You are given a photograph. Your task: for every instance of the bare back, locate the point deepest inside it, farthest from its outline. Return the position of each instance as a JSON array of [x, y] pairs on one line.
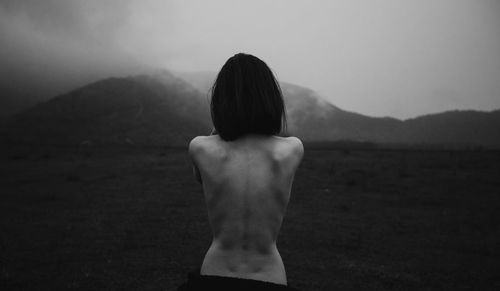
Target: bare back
[[247, 186]]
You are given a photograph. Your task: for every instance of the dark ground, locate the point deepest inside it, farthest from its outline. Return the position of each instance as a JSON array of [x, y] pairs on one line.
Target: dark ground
[[134, 219]]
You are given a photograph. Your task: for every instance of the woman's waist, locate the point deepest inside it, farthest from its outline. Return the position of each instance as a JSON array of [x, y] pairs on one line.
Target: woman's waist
[[260, 249], [243, 262]]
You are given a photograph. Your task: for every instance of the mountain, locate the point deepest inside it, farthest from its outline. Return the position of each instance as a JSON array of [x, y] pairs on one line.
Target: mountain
[[164, 109], [464, 127], [158, 109], [312, 118]]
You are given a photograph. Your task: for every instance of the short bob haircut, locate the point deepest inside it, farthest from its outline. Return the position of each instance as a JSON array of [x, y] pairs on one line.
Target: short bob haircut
[[247, 99]]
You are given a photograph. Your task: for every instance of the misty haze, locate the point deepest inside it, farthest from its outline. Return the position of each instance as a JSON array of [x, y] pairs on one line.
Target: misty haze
[[397, 104]]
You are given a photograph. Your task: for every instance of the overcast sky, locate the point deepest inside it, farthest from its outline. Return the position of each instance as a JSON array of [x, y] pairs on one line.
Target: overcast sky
[[381, 58]]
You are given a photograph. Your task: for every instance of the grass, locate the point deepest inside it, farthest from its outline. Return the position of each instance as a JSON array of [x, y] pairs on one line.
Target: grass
[[129, 219]]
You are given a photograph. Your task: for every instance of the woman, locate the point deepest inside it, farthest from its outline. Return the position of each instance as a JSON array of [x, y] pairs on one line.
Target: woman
[[247, 171]]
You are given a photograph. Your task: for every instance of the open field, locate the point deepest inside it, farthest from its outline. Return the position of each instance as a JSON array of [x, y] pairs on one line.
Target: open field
[[134, 219]]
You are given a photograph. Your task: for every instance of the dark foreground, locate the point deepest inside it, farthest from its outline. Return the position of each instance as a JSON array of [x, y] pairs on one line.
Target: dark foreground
[[127, 219]]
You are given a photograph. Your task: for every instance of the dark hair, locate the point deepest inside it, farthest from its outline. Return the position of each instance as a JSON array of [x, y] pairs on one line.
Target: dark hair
[[247, 98]]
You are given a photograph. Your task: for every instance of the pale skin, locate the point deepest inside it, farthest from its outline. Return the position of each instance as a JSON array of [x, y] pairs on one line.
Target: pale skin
[[247, 184]]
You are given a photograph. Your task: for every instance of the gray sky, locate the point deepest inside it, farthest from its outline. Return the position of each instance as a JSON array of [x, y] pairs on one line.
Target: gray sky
[[395, 58]]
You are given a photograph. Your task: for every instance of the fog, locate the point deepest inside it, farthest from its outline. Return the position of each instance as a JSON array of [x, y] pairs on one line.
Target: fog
[[381, 58]]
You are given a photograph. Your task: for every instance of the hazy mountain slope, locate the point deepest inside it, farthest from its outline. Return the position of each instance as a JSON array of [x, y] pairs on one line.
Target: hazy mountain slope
[[202, 80], [159, 109], [312, 118]]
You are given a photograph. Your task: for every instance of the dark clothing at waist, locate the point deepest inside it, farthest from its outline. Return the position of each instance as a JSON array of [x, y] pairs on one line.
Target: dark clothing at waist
[[196, 281]]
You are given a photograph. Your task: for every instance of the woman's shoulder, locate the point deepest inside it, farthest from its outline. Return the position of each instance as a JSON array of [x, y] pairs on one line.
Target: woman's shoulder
[[293, 143], [289, 148], [202, 147], [200, 143]]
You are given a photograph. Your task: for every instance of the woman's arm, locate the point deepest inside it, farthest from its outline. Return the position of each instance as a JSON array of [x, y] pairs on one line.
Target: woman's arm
[[196, 174], [193, 150]]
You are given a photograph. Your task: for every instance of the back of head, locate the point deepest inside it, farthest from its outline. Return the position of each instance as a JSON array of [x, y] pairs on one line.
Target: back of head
[[247, 99]]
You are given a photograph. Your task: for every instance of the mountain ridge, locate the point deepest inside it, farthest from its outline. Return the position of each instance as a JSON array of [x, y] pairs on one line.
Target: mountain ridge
[[164, 108]]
